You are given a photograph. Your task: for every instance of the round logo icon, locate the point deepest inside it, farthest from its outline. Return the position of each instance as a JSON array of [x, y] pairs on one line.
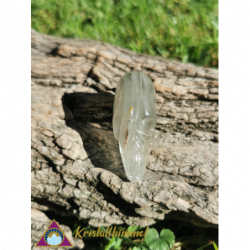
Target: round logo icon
[[53, 236]]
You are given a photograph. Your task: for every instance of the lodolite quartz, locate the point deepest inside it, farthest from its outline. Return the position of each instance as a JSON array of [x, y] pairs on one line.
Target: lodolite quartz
[[134, 120]]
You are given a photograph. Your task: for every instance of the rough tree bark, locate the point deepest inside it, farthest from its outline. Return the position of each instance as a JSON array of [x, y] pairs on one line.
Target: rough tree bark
[[76, 164]]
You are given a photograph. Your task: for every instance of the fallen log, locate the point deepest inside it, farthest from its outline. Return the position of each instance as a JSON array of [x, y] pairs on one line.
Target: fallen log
[[76, 163]]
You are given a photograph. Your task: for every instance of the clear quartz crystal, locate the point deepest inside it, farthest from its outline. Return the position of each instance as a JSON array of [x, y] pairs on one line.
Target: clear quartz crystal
[[134, 121]]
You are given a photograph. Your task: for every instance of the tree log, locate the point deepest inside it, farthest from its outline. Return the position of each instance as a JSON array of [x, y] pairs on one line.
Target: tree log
[[76, 163]]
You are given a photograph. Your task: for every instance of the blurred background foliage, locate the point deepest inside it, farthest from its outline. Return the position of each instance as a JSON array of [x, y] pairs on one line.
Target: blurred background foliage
[[186, 30]]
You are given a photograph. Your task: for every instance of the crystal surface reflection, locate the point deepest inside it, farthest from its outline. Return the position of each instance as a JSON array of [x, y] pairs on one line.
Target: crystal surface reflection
[[134, 120]]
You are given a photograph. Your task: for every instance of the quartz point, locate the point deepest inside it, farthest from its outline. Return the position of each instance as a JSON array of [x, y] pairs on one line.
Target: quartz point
[[134, 120]]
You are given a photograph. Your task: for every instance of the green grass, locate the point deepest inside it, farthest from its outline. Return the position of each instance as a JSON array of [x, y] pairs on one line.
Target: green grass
[[186, 30]]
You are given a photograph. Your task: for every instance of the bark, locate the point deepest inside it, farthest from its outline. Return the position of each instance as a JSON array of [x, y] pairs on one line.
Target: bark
[[76, 163]]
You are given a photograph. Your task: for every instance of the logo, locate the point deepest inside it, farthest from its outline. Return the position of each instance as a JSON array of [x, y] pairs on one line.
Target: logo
[[53, 237]]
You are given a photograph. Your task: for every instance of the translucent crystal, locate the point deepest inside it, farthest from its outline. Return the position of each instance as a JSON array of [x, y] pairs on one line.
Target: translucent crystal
[[134, 121]]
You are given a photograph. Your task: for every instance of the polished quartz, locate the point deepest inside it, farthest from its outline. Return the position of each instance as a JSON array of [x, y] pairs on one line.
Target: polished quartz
[[134, 121]]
